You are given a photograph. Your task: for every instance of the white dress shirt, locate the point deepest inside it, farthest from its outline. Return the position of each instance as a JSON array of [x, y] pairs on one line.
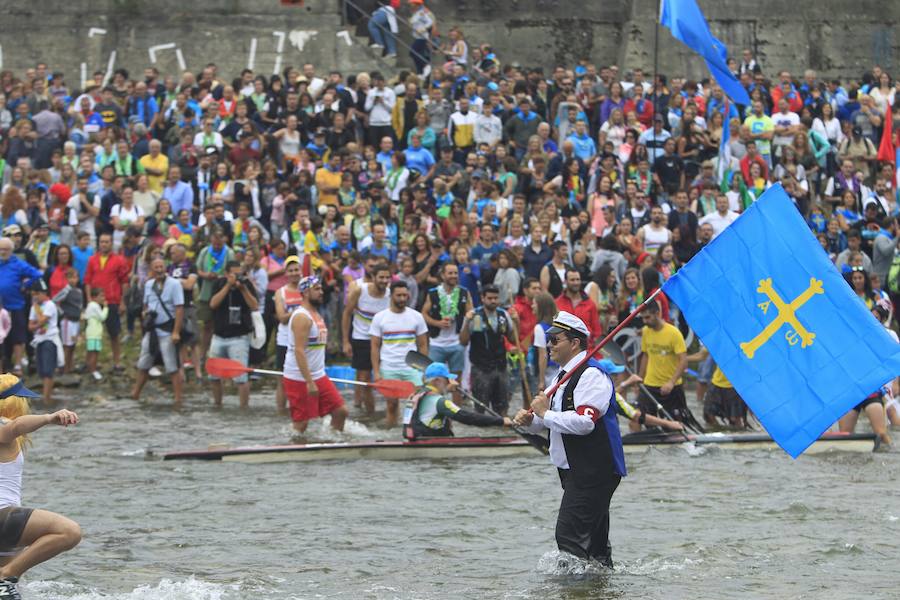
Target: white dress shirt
[[594, 390]]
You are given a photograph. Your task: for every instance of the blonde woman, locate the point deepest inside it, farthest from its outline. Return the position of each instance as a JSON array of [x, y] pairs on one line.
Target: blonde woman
[[28, 536]]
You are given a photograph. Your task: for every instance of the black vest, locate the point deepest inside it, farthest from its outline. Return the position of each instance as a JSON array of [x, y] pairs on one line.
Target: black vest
[[435, 312], [557, 285], [487, 351], [590, 456]]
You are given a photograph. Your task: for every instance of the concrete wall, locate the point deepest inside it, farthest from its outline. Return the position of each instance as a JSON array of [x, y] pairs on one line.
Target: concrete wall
[[836, 37]]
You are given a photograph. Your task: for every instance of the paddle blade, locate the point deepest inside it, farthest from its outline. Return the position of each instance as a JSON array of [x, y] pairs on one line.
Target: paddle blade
[[417, 360], [394, 388], [225, 368], [615, 353], [540, 443]]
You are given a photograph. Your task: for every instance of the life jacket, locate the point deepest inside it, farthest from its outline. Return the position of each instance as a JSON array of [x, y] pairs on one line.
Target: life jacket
[[412, 422], [598, 455], [486, 345]]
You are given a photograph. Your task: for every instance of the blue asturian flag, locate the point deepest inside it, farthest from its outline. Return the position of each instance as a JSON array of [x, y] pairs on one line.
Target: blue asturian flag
[[782, 323], [686, 22]]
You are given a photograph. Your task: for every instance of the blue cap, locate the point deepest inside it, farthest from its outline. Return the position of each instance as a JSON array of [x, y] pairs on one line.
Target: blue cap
[[18, 389], [438, 369], [610, 367]]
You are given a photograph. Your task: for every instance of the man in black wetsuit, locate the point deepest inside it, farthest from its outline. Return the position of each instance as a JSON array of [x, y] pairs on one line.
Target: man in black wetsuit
[[432, 409]]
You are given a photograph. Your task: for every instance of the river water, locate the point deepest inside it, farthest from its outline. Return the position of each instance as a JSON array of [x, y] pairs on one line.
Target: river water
[[685, 524]]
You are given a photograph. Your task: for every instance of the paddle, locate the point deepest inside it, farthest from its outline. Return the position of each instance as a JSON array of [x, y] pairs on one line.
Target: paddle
[[617, 355], [420, 362], [389, 388]]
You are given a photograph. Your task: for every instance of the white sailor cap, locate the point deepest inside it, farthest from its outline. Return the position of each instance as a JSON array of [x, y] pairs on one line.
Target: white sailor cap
[[566, 322]]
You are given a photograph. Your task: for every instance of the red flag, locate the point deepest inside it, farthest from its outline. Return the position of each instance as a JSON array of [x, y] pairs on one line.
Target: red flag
[[886, 147]]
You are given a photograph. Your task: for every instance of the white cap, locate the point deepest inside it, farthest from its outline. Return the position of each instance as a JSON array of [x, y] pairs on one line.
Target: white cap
[[565, 322]]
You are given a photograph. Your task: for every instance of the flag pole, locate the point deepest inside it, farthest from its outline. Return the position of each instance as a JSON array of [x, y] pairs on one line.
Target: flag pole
[[655, 76], [590, 353]]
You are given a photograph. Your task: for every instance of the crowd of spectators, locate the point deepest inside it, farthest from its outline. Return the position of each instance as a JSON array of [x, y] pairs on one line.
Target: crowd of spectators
[[593, 183]]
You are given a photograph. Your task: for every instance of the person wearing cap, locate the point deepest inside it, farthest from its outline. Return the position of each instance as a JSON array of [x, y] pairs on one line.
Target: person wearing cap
[[37, 535], [521, 126], [655, 138], [585, 444], [431, 410], [15, 274], [164, 315], [43, 323], [286, 300], [859, 149], [309, 391]]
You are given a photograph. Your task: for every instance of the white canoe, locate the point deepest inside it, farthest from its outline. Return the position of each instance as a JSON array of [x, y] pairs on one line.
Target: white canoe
[[497, 447]]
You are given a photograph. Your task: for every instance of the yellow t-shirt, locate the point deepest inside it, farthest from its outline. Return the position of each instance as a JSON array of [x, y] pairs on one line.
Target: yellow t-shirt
[[161, 164], [719, 379], [328, 179], [662, 348]]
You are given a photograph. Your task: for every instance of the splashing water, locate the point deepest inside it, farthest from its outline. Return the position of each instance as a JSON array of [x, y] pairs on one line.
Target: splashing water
[[563, 564], [189, 589]]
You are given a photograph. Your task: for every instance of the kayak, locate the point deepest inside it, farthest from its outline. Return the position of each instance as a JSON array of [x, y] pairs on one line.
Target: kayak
[[499, 447]]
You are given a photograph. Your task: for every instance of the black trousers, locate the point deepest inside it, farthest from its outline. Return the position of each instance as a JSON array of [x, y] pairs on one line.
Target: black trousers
[[582, 527], [491, 386]]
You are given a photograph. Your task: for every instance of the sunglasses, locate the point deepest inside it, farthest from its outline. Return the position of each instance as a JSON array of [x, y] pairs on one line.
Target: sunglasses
[[554, 339]]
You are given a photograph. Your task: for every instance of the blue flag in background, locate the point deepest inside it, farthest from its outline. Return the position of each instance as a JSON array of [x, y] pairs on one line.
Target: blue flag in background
[[783, 325], [687, 23]]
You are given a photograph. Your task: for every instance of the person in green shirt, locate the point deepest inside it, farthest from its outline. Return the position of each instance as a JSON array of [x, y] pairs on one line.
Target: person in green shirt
[[762, 130], [210, 266]]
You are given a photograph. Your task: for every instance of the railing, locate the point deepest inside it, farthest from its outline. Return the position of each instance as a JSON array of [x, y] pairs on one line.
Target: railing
[[362, 11]]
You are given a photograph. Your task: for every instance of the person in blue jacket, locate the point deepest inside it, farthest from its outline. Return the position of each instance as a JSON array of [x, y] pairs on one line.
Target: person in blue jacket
[[15, 276]]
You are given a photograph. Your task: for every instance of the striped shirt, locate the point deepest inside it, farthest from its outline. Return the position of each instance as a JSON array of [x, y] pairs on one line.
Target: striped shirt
[[366, 308], [315, 347], [398, 333]]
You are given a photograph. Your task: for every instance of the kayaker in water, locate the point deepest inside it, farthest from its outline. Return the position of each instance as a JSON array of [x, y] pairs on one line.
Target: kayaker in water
[[432, 408]]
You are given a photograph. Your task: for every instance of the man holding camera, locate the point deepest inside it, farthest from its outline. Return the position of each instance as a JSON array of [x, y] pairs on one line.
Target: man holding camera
[[162, 323], [233, 299]]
